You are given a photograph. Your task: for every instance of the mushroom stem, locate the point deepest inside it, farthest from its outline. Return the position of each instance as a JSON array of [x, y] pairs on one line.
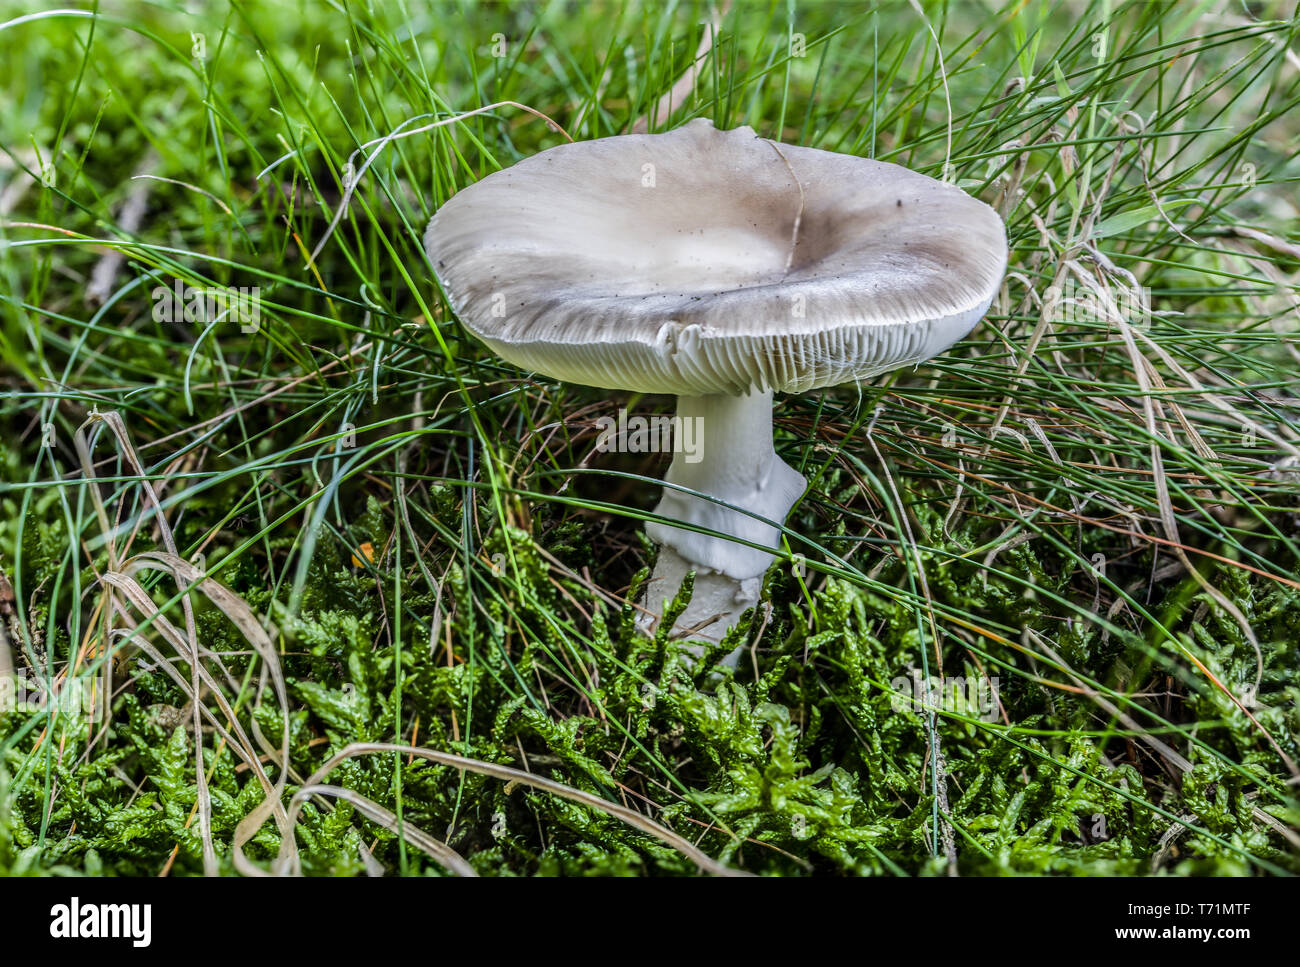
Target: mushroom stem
[[723, 449]]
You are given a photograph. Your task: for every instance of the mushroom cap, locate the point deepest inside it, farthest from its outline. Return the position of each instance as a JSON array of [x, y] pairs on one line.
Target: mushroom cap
[[703, 261]]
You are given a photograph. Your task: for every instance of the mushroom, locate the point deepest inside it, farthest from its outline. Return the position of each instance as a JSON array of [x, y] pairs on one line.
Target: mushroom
[[718, 267]]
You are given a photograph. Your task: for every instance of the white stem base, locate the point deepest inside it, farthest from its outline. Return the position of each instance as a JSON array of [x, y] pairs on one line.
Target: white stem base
[[716, 605], [734, 462]]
